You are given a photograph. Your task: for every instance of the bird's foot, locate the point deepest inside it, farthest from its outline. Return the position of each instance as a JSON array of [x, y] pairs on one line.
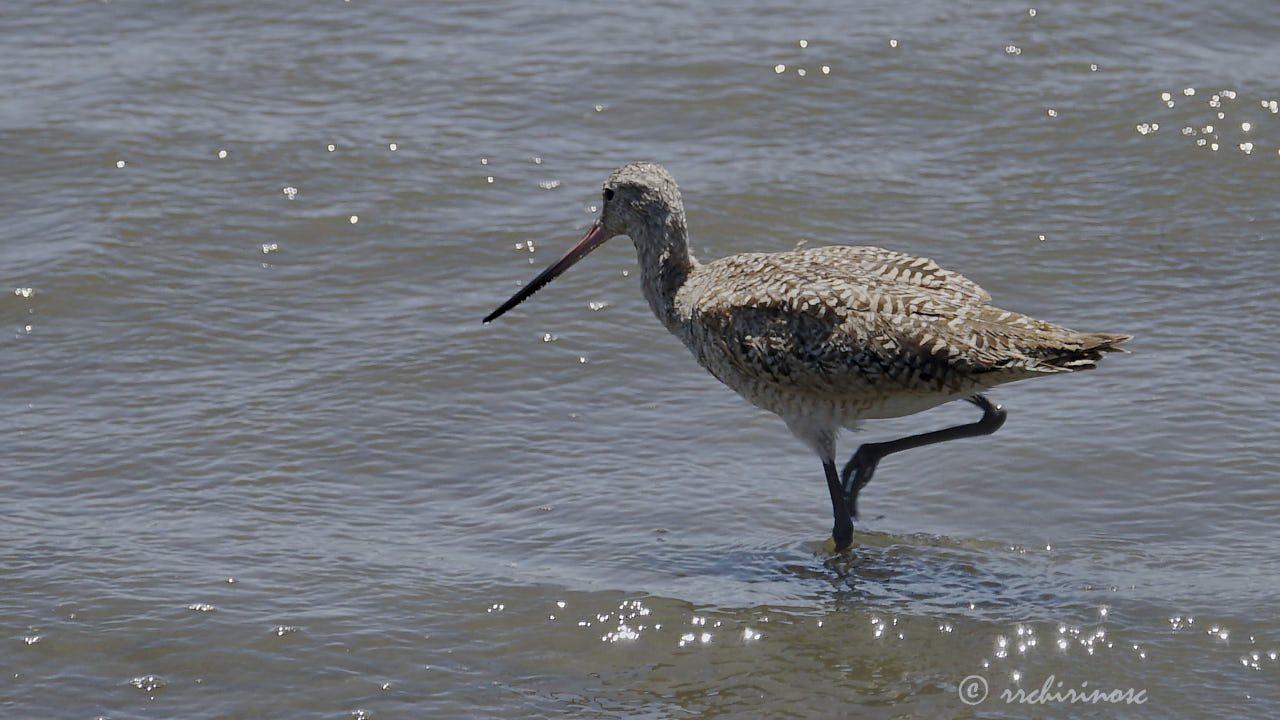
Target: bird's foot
[[842, 539], [857, 473]]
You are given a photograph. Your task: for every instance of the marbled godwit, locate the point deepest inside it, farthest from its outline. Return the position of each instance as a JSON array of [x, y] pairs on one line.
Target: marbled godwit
[[828, 336]]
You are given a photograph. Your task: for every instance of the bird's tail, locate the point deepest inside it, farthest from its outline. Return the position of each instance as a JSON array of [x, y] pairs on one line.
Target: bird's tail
[[1080, 351]]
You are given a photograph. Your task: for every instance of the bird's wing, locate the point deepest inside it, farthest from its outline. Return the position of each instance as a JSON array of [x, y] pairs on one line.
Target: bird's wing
[[896, 271], [847, 321]]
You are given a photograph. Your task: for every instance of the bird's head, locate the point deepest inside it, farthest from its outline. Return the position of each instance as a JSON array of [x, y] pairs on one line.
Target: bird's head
[[640, 200]]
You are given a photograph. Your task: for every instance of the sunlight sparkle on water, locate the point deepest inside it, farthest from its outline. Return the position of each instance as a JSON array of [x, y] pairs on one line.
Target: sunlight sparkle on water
[[148, 683], [624, 632]]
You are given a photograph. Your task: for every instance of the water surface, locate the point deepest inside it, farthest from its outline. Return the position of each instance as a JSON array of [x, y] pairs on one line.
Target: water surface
[[262, 459]]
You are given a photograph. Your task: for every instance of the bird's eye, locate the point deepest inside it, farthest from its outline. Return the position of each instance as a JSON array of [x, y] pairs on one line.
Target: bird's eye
[[608, 194]]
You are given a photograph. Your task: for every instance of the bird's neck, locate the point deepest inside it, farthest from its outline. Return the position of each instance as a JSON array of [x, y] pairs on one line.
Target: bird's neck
[[662, 247]]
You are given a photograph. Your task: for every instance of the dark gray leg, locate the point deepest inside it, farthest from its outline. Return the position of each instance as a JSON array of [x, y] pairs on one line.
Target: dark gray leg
[[842, 532], [862, 465]]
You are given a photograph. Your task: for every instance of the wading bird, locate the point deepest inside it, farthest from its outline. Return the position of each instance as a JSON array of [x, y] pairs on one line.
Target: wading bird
[[827, 337]]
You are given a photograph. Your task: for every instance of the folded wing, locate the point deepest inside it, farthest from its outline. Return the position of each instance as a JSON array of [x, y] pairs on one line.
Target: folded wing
[[857, 320]]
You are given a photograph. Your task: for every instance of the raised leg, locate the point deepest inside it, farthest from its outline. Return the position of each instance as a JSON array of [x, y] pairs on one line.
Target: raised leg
[[857, 472], [842, 532]]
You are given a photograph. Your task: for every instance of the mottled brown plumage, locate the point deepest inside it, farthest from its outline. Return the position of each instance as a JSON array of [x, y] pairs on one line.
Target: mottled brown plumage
[[867, 332], [826, 337]]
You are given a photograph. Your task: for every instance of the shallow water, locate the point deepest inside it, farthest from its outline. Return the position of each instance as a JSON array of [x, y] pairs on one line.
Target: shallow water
[[262, 459]]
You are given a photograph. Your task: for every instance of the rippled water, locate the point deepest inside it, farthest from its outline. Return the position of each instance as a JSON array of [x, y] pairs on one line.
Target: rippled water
[[262, 459]]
